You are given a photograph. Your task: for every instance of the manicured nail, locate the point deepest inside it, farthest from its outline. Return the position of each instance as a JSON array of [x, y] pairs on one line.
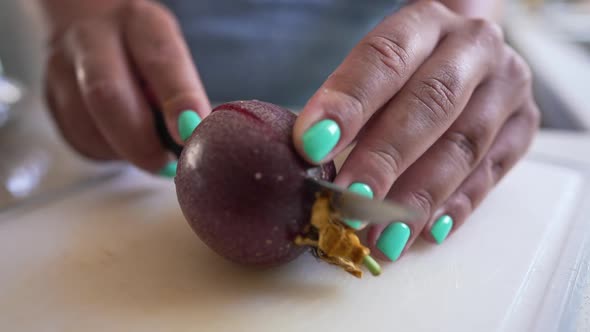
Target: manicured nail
[[187, 122], [393, 240], [361, 189], [169, 170], [320, 139], [441, 228]]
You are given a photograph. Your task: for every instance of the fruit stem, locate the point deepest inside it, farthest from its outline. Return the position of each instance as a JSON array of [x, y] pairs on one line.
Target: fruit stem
[[372, 265]]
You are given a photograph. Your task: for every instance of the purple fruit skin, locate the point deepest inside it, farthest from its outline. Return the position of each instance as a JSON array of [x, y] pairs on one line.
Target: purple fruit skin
[[240, 183]]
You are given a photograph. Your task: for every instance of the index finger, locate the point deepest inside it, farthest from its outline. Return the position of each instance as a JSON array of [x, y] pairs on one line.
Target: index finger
[[160, 54], [369, 77], [111, 96]]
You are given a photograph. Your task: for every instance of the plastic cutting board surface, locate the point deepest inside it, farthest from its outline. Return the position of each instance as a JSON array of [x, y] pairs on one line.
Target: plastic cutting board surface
[[121, 258]]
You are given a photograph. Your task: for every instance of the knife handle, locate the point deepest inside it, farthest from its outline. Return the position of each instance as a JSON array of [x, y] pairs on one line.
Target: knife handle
[[165, 137]]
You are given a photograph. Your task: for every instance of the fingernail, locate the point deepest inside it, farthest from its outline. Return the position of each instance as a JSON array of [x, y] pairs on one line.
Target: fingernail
[[320, 139], [187, 122], [361, 189], [393, 240], [441, 228], [169, 170]]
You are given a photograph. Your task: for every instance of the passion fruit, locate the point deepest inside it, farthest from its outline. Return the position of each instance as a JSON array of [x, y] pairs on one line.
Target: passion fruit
[[241, 184]]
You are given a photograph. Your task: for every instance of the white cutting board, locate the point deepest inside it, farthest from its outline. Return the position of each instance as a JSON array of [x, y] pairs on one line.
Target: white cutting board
[[120, 257]]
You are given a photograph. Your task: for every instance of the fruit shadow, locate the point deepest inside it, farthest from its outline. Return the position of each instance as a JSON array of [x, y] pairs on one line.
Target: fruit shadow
[[160, 264]]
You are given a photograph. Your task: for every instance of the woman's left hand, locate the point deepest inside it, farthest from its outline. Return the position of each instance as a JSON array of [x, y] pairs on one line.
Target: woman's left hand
[[440, 109]]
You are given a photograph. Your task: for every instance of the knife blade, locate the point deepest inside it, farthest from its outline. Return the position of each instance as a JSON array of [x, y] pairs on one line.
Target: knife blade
[[350, 205]]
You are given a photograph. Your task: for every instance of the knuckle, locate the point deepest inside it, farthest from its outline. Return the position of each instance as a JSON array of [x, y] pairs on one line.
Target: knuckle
[[438, 93], [516, 69], [387, 160], [389, 54], [424, 199], [347, 107], [468, 203], [486, 30], [463, 203], [497, 168], [470, 145]]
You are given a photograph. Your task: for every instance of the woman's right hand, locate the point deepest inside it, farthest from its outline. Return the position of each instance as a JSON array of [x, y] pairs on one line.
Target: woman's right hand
[[98, 72]]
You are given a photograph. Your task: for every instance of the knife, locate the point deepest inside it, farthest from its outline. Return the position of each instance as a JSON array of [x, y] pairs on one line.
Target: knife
[[350, 205], [165, 138]]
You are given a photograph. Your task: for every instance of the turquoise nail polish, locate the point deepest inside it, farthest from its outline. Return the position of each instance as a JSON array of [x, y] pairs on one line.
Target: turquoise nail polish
[[354, 224], [320, 139], [441, 228], [187, 122], [169, 170], [393, 240], [361, 189]]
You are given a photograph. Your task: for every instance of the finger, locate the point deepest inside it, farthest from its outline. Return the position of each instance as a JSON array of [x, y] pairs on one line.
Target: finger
[[69, 112], [163, 60], [373, 72], [112, 97], [427, 183], [425, 108], [512, 143]]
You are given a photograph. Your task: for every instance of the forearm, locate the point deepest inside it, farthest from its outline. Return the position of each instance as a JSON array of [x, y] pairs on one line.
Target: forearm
[[57, 14], [488, 9]]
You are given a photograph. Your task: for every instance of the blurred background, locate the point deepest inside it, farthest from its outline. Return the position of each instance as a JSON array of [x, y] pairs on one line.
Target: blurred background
[[35, 163], [554, 36]]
